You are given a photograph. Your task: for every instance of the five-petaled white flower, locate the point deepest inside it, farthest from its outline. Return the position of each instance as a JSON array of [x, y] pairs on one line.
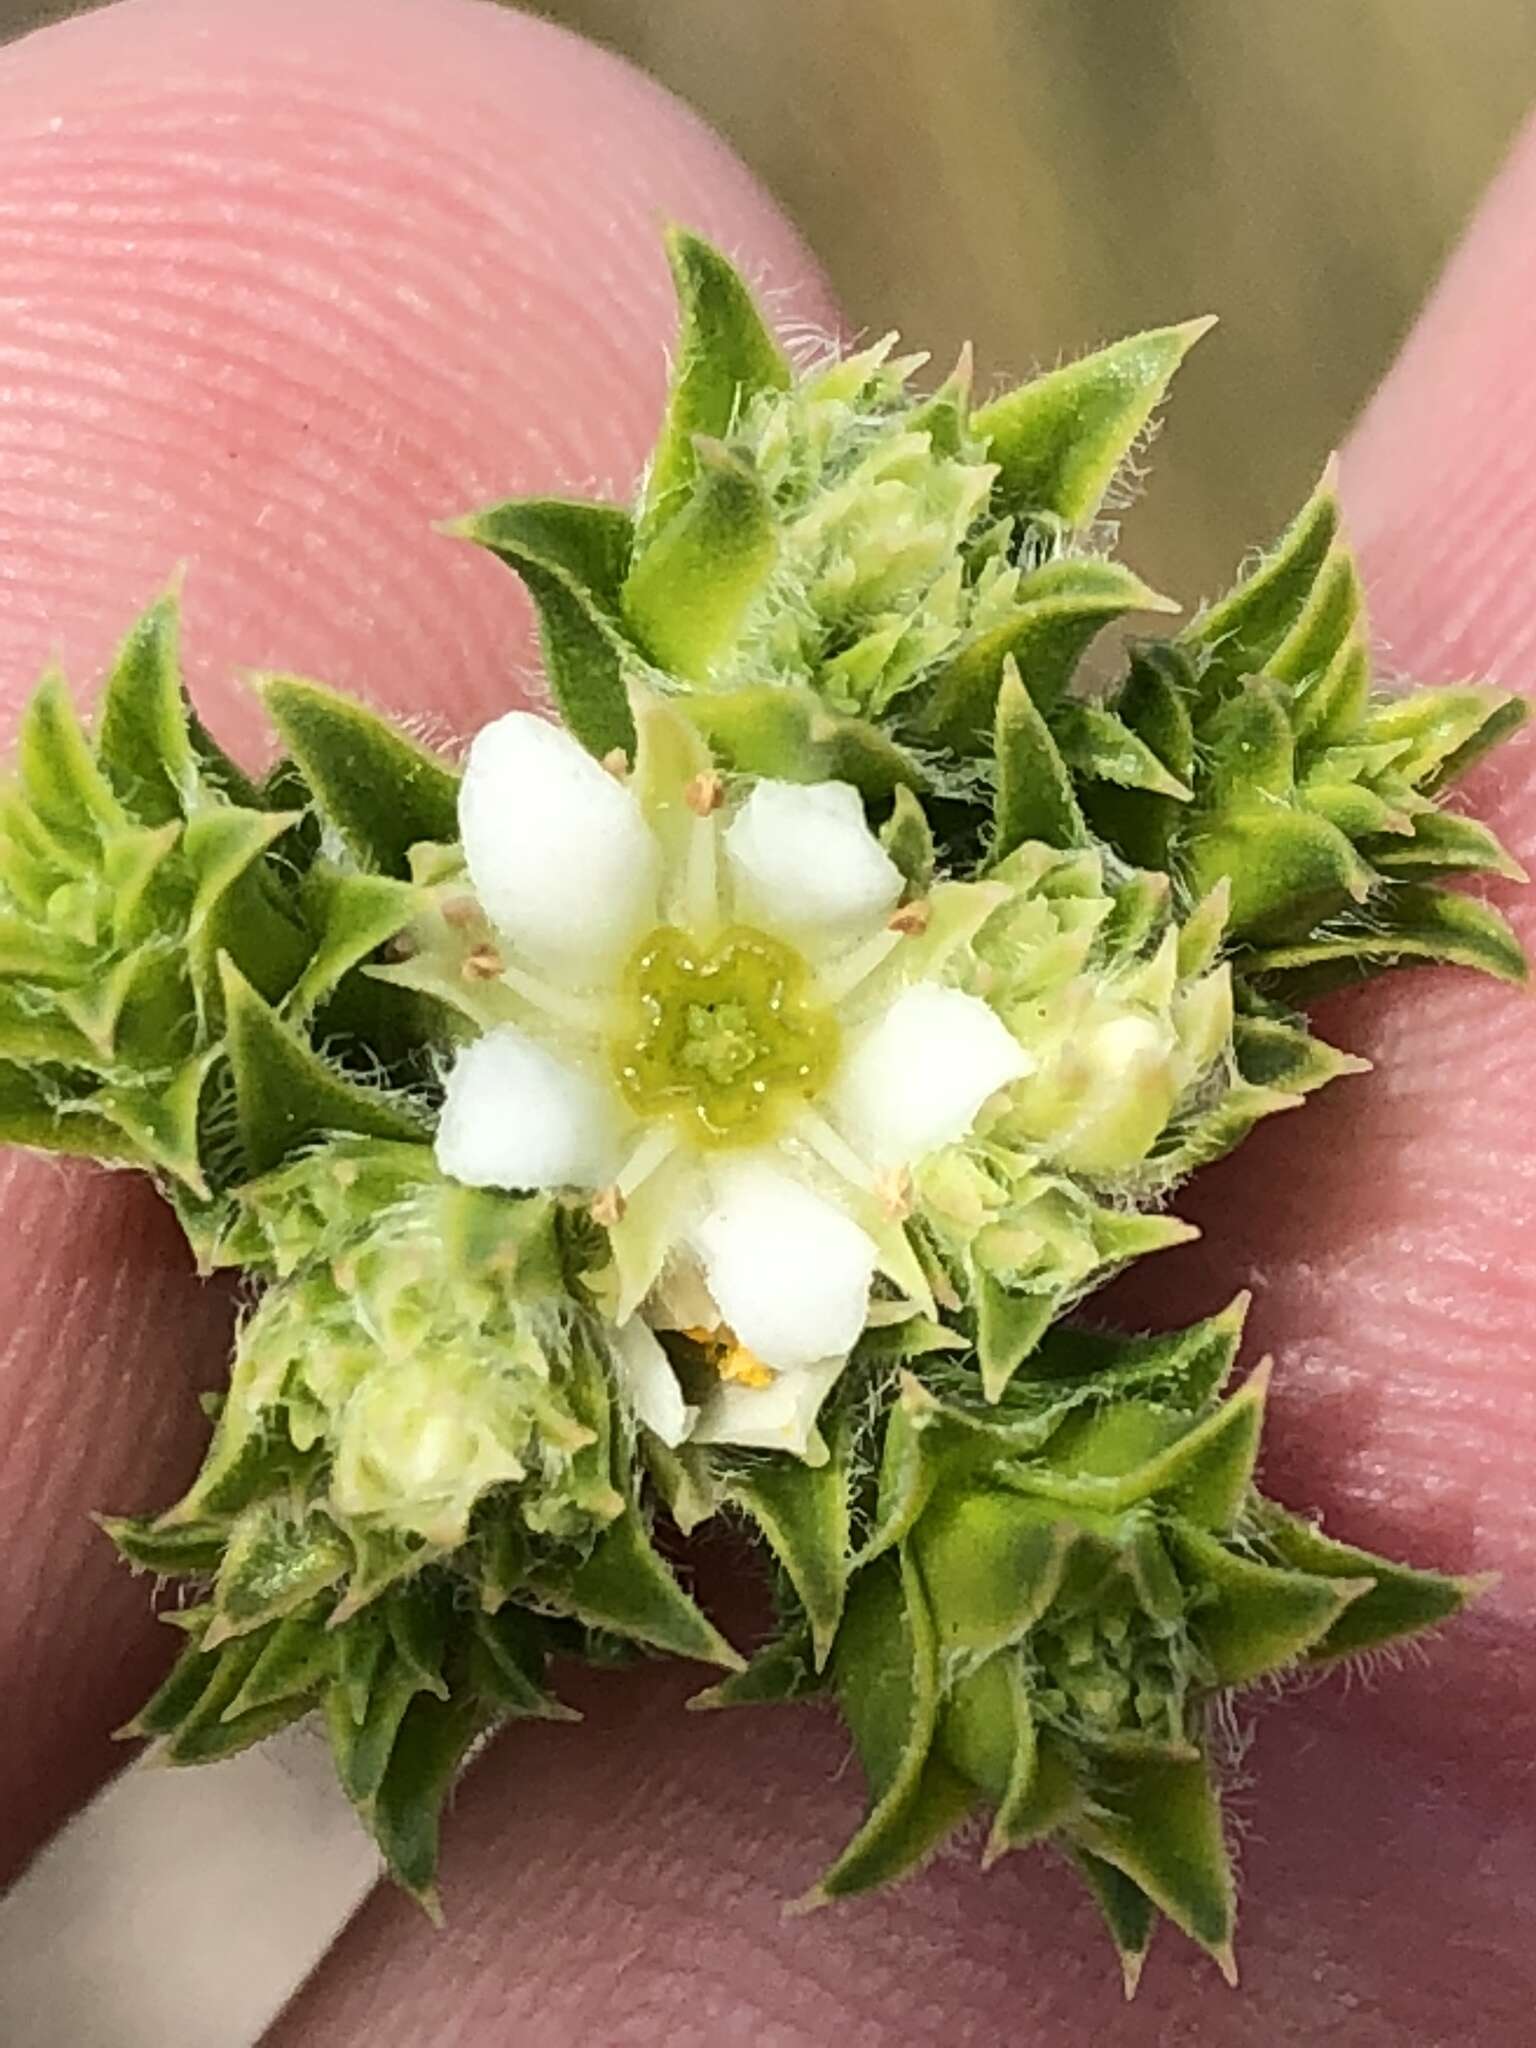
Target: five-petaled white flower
[[723, 1025]]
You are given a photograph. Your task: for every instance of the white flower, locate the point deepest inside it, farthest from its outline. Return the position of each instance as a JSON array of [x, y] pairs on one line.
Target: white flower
[[713, 1018]]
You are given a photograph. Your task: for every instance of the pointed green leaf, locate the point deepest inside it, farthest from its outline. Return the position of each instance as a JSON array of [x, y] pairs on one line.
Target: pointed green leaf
[[362, 1749], [624, 1586], [277, 1560], [1286, 869], [782, 1670], [1159, 1823], [589, 545], [1009, 1324], [188, 1551], [991, 1562], [1059, 440], [349, 918], [177, 1694], [693, 583], [1271, 1054], [1101, 747], [1237, 637], [417, 1617], [1443, 731], [143, 741], [71, 797], [886, 1671], [381, 791], [433, 1743], [1128, 1913], [1412, 924], [1034, 797], [1444, 843], [361, 1645], [37, 1114], [1332, 705], [1399, 1603], [570, 563], [1324, 626], [1062, 607], [803, 1512], [724, 357], [1250, 749], [1249, 1618], [510, 1672], [787, 732], [297, 1659], [287, 1096], [907, 837]]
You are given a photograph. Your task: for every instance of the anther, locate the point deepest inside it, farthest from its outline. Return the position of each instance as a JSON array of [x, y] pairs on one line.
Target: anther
[[705, 793], [912, 919], [607, 1207], [483, 964]]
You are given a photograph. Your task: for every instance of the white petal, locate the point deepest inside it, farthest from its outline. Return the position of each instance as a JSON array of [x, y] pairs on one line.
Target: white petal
[[915, 1077], [805, 861], [789, 1270], [517, 1117], [649, 1384], [558, 850], [780, 1417]]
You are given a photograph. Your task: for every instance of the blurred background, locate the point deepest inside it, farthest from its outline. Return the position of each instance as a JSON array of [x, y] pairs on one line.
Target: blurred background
[[1039, 176], [1042, 175]]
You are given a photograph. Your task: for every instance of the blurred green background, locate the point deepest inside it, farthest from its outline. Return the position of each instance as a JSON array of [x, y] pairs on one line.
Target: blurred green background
[[1041, 175]]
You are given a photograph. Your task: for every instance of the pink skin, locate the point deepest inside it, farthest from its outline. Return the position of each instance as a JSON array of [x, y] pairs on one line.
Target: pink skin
[[283, 286]]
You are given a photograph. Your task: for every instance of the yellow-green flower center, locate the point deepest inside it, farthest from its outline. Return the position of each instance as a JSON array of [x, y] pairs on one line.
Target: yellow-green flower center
[[724, 1038]]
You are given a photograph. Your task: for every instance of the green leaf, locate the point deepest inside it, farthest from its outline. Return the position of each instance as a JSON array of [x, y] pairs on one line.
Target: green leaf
[[782, 1670], [362, 1749], [71, 797], [1323, 629], [286, 1096], [1128, 1913], [417, 1616], [143, 740], [992, 1563], [1250, 1618], [350, 917], [1059, 440], [886, 1671], [589, 545], [1442, 732], [382, 792], [1034, 797], [433, 1742], [1101, 747], [1250, 748], [787, 732], [1062, 607], [190, 1550], [1409, 925], [693, 583], [907, 837], [510, 1671], [296, 1660], [803, 1511], [569, 561], [724, 357], [1272, 1054], [1444, 843], [37, 1112], [1237, 637], [1009, 1324], [1286, 869], [1400, 1602], [624, 1586], [1159, 1822], [277, 1560]]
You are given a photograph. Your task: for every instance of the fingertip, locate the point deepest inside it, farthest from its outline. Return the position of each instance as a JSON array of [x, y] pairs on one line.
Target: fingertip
[[291, 283]]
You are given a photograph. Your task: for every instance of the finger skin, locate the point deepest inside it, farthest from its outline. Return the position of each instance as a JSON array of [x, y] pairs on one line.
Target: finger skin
[[284, 284], [1388, 1844]]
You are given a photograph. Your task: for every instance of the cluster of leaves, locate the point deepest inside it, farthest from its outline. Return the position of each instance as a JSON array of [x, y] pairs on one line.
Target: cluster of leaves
[[1034, 1562], [1041, 1603]]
